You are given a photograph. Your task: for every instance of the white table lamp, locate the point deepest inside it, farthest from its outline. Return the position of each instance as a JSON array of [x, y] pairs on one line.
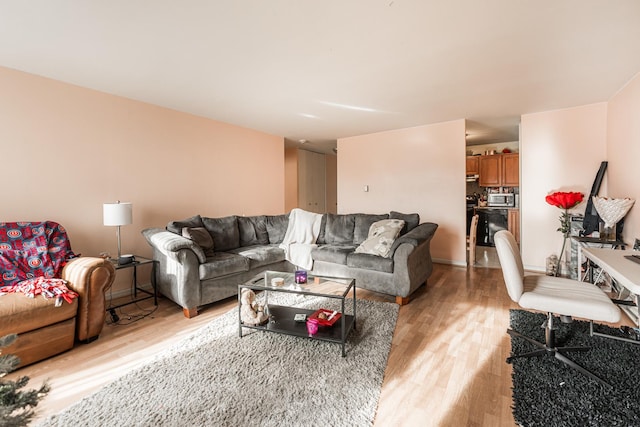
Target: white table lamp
[[117, 214]]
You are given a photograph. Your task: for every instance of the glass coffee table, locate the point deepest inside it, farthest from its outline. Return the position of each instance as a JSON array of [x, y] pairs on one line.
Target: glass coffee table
[[334, 326]]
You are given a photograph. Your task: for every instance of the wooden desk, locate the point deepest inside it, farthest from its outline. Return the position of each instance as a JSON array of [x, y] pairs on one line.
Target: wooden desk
[[625, 273]]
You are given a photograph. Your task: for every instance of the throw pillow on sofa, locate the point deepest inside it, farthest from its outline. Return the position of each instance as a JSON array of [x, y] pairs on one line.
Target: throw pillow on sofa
[[411, 220], [382, 234], [363, 225], [201, 237], [177, 226]]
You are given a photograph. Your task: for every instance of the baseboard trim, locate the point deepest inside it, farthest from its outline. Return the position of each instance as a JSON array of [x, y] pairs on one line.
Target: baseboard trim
[[450, 262]]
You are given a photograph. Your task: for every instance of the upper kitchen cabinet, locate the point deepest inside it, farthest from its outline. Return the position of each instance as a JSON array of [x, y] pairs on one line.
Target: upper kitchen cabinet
[[511, 170], [490, 171], [499, 170], [473, 165]]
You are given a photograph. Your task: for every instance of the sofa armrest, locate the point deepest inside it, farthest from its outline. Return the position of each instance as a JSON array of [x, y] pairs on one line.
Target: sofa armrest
[[171, 243], [422, 233], [412, 260], [90, 278]]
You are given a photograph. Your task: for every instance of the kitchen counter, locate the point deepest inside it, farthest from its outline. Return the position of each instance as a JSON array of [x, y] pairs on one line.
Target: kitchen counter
[[496, 207]]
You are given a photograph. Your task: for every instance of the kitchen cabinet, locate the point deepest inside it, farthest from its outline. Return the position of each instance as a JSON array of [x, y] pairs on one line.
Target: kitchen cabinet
[[513, 223], [510, 170], [500, 170], [473, 165], [490, 171]]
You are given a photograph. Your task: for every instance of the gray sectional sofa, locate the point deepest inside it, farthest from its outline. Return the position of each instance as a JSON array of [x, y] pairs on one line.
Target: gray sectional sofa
[[202, 260]]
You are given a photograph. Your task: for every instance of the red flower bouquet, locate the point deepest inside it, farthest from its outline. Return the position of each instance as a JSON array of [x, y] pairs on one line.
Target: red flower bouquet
[[564, 200]]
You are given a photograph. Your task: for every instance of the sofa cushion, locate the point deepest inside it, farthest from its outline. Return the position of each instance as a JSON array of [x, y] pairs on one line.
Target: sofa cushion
[[411, 220], [277, 228], [260, 255], [177, 226], [224, 232], [222, 264], [339, 229], [20, 313], [253, 230], [200, 237], [332, 253], [363, 224], [370, 262], [381, 237], [323, 223]]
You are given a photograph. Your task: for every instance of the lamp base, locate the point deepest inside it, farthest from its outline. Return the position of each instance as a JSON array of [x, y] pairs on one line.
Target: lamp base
[[126, 259]]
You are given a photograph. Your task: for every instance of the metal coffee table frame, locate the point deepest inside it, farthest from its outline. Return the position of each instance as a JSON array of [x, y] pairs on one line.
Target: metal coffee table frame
[[281, 318]]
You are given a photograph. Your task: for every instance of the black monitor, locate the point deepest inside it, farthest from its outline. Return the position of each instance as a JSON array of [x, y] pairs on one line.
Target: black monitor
[[592, 220], [591, 217]]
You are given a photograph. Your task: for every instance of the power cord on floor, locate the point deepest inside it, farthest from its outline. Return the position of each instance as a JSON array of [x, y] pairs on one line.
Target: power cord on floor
[[127, 318]]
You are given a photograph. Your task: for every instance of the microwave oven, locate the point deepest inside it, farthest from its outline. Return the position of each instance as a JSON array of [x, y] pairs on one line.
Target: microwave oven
[[501, 199]]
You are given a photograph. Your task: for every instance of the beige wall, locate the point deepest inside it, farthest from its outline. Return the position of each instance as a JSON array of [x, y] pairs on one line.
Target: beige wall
[[560, 150], [67, 150], [420, 169], [623, 152]]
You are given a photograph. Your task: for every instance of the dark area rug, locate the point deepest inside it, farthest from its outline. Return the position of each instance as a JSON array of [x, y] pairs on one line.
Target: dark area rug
[[546, 392]]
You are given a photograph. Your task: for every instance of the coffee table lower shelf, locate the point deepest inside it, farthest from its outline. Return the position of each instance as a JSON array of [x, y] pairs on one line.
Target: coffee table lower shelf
[[281, 321]]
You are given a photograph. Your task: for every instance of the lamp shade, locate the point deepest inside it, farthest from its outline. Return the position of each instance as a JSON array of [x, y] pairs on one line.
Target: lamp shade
[[117, 213]]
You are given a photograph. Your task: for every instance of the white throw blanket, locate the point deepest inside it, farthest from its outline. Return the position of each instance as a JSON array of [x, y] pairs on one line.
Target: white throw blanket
[[300, 238]]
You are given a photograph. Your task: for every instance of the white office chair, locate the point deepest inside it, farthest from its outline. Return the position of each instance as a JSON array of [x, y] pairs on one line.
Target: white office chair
[[472, 239], [558, 295]]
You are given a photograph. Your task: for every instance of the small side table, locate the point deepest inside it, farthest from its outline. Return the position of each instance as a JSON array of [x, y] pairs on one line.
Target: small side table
[[138, 261]]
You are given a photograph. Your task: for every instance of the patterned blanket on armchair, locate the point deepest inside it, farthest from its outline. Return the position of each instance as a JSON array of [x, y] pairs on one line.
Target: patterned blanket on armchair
[[32, 250]]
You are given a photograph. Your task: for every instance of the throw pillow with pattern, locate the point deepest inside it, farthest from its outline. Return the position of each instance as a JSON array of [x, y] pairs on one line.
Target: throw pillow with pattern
[[382, 234]]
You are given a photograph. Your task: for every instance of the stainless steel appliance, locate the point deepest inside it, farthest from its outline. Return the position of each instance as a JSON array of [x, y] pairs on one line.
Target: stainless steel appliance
[[506, 200], [490, 221]]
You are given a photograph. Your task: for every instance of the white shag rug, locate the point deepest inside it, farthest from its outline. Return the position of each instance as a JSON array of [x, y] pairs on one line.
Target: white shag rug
[[215, 378]]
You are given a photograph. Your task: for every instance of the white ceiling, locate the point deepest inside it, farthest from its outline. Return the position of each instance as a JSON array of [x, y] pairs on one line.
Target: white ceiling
[[322, 70]]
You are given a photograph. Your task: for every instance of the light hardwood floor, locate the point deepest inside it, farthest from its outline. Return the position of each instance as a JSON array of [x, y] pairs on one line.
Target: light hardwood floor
[[446, 367]]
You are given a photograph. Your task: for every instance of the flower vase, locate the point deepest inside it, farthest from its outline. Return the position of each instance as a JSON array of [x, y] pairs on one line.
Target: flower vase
[[607, 233], [565, 265]]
